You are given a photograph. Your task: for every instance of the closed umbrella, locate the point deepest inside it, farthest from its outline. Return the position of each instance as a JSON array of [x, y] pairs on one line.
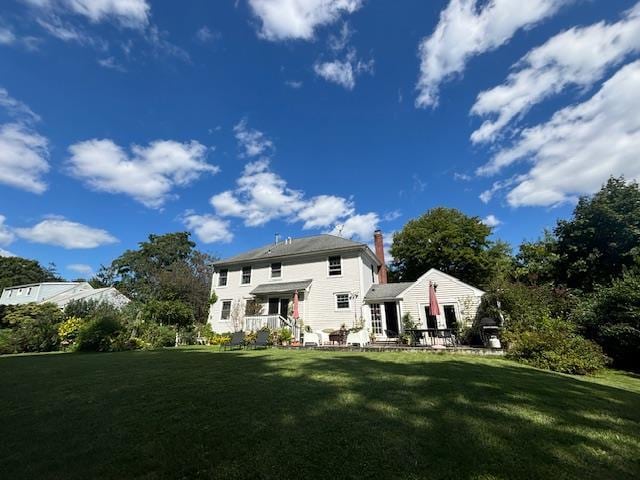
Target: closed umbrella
[[296, 310], [434, 307]]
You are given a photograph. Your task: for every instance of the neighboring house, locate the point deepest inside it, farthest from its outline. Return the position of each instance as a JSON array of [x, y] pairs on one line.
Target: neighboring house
[[60, 293], [339, 282]]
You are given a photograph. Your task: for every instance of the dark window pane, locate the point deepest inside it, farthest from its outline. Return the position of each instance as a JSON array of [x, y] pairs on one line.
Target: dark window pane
[[246, 275], [335, 266]]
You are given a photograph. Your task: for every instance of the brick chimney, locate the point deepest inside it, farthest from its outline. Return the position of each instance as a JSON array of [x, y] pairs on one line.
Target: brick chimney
[[379, 244]]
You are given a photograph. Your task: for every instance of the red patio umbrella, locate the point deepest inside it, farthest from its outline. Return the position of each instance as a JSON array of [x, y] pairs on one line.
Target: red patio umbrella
[[434, 307], [296, 311]]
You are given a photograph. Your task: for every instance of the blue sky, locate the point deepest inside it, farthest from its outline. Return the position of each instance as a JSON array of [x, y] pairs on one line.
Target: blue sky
[[237, 120]]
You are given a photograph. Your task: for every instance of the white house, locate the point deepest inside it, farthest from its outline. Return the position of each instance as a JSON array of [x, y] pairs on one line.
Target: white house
[[339, 282], [60, 293]]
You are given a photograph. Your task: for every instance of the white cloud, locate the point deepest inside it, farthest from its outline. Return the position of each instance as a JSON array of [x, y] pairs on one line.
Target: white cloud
[[324, 210], [128, 13], [360, 227], [468, 28], [81, 268], [491, 221], [208, 228], [391, 216], [298, 19], [344, 72], [261, 196], [206, 35], [111, 63], [16, 108], [6, 235], [253, 142], [149, 174], [295, 84], [580, 147], [6, 253], [7, 37], [579, 56], [67, 234], [23, 158]]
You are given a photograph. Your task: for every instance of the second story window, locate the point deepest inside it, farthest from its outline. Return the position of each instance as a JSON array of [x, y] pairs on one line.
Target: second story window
[[246, 275], [222, 277], [335, 266], [276, 270]]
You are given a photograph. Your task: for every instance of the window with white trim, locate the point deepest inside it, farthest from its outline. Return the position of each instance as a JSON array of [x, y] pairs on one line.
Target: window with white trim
[[335, 266], [376, 318], [342, 301], [225, 314], [223, 276], [246, 275], [276, 270]]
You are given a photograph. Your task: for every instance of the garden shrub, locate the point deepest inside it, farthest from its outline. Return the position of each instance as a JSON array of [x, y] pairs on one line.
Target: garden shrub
[[611, 317], [408, 323], [69, 329], [34, 327], [553, 344], [219, 338], [168, 312], [7, 342], [157, 336], [101, 335]]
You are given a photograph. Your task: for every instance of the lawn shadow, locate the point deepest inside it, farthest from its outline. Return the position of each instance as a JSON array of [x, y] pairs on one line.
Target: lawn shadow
[[273, 414]]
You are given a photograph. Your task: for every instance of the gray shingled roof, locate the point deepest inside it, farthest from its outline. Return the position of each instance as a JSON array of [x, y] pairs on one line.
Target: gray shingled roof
[[298, 246], [280, 287], [384, 291]]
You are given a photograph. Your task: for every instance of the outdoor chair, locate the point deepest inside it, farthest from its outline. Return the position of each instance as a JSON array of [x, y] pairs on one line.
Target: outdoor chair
[[236, 342], [262, 340]]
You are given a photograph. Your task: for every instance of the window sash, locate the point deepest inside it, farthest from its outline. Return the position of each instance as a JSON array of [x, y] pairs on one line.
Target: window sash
[[226, 310], [342, 301], [223, 277], [335, 266], [246, 275], [276, 270]]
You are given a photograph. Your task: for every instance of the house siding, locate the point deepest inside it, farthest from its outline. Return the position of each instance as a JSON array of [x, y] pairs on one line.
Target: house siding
[[318, 306], [465, 298]]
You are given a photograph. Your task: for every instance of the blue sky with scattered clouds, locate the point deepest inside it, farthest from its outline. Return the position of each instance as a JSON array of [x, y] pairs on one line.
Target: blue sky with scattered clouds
[[239, 119]]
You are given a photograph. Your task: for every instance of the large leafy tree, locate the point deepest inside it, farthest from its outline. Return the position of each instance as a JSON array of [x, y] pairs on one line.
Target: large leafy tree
[[449, 240], [536, 263], [20, 271], [603, 237], [165, 267]]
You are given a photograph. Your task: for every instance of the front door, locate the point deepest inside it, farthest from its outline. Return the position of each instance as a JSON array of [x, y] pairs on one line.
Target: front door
[[391, 314]]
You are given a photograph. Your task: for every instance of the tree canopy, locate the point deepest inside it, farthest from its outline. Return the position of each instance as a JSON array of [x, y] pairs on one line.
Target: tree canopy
[[449, 240], [165, 267], [603, 237], [20, 271]]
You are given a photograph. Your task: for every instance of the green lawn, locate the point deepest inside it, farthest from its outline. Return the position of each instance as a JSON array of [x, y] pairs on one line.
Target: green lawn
[[198, 413]]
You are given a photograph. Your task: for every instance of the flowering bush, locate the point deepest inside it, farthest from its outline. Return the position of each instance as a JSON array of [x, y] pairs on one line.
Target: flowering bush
[[69, 329]]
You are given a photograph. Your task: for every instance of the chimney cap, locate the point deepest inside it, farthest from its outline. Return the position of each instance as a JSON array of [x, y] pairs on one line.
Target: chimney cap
[[377, 232]]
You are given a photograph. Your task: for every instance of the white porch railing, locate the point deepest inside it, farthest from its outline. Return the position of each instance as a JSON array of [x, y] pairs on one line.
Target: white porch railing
[[253, 323]]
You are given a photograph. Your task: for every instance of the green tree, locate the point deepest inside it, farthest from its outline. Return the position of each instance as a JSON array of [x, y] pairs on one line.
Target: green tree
[[450, 241], [536, 262], [20, 271], [603, 237], [166, 267]]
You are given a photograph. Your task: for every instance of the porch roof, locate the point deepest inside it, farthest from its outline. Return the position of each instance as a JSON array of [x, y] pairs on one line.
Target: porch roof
[[280, 287], [386, 291]]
